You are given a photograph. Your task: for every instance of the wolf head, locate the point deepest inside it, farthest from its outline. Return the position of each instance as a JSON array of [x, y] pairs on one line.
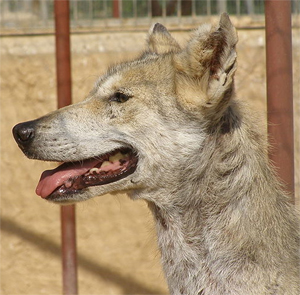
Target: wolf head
[[144, 124]]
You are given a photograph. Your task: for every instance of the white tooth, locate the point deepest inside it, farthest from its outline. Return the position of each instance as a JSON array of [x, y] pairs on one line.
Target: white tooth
[[94, 170], [68, 183], [116, 157], [105, 163]]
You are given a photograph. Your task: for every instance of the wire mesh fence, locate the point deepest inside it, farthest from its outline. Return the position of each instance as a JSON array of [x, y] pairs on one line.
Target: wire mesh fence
[[38, 14]]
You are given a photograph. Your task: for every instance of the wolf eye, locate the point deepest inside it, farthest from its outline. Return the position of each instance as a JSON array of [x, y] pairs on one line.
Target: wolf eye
[[120, 97]]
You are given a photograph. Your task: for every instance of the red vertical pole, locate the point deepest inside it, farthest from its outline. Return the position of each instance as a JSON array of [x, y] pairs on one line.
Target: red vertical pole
[[116, 9], [69, 257], [280, 88], [64, 97]]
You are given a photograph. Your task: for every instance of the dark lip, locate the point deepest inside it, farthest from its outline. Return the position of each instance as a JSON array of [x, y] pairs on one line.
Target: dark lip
[[69, 195]]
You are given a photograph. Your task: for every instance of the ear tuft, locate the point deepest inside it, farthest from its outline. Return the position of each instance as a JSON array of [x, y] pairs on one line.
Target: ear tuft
[[226, 24], [221, 43], [209, 60], [160, 40], [223, 65], [158, 28]]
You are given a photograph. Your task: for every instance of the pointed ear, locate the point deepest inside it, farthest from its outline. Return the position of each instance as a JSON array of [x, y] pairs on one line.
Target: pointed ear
[[160, 40], [209, 63]]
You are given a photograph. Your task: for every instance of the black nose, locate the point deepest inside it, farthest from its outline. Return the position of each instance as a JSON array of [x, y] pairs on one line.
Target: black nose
[[24, 133]]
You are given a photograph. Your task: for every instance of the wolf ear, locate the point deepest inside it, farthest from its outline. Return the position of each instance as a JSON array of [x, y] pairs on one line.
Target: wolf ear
[[207, 67], [160, 40]]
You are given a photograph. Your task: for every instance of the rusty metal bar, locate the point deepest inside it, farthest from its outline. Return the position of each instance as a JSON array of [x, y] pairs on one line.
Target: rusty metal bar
[[116, 8], [280, 89], [69, 255], [63, 58], [64, 97]]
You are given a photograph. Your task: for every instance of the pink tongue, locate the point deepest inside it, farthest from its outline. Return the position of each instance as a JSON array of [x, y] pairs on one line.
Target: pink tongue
[[52, 179]]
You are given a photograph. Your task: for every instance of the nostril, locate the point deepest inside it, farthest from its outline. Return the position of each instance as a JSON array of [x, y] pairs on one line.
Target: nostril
[[23, 133], [26, 134]]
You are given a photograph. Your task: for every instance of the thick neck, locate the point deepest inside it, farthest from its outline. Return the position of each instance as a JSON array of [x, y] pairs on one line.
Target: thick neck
[[180, 246], [207, 224]]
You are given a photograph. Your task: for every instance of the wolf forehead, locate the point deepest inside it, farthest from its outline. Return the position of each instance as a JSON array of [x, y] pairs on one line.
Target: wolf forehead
[[149, 69]]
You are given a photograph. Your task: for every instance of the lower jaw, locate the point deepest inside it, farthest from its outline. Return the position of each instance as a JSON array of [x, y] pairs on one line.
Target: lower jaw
[[67, 198], [63, 195]]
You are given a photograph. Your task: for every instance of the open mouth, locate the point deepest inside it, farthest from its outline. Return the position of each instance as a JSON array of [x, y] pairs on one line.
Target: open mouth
[[71, 178]]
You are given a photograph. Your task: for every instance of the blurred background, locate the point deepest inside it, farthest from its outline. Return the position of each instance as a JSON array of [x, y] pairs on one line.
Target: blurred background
[[116, 242]]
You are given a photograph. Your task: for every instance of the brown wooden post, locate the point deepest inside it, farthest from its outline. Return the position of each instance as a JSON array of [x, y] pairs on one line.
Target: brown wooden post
[[64, 97], [280, 89]]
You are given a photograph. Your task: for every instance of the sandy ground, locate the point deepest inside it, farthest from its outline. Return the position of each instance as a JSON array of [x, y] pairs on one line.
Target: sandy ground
[[117, 251]]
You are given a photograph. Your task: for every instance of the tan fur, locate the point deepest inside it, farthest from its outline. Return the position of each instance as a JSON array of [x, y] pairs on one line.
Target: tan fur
[[160, 41], [224, 224]]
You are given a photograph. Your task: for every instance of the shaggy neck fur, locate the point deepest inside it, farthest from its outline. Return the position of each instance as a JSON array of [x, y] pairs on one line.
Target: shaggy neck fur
[[229, 224]]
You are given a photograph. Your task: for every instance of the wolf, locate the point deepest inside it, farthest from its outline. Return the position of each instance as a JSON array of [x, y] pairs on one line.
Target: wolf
[[167, 128]]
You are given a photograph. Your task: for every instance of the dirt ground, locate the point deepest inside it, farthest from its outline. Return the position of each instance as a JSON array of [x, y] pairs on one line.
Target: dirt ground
[[117, 251]]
